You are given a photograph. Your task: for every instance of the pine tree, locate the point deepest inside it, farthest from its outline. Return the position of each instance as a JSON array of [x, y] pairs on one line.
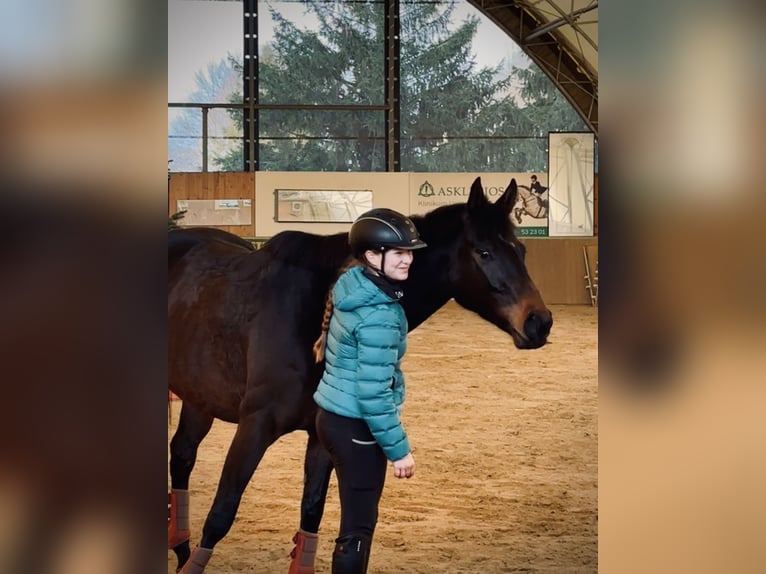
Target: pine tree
[[451, 109], [341, 62]]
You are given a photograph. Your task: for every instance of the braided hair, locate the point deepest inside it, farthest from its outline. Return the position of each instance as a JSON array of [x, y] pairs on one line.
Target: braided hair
[[321, 343]]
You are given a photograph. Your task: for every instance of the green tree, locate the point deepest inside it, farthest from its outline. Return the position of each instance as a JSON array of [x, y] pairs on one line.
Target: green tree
[[445, 97], [455, 116], [544, 109]]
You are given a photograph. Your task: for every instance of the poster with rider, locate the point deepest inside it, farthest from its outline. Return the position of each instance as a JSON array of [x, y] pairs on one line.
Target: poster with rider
[[530, 212], [531, 209]]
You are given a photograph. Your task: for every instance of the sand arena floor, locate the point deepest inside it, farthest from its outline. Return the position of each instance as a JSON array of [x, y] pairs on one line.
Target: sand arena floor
[[506, 450]]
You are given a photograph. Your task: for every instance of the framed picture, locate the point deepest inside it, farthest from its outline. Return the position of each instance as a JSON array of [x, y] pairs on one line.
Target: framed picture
[[215, 212], [320, 205]]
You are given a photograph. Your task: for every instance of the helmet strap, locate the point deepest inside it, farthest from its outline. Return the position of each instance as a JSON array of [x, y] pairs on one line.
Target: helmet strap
[[383, 263], [382, 271], [391, 288]]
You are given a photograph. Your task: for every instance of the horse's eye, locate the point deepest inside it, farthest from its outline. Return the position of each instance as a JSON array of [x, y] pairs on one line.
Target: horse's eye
[[483, 253]]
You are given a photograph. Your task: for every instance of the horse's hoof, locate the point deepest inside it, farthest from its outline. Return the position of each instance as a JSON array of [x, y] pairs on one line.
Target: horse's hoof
[[183, 553]]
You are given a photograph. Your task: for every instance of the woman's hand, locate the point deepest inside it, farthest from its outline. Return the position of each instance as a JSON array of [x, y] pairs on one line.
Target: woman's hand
[[404, 467]]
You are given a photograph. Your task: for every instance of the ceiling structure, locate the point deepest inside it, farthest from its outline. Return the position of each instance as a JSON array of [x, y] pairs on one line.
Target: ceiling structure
[[560, 36]]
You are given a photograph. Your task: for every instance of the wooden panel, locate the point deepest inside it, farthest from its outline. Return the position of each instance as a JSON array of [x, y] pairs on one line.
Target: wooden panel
[[557, 266], [215, 185]]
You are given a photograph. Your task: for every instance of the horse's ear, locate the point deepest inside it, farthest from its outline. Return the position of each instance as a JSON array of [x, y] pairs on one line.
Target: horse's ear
[[508, 199], [476, 199]]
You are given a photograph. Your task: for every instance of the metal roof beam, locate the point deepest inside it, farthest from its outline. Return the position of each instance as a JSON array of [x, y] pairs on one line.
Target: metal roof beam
[[564, 65], [566, 19]]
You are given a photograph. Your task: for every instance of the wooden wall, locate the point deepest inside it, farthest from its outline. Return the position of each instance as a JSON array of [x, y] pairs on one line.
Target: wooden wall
[[215, 185], [557, 266]]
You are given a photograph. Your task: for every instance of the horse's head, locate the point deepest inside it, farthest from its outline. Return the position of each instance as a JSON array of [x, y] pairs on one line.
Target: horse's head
[[491, 276]]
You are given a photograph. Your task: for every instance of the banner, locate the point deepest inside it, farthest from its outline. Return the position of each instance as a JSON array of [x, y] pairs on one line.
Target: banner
[[530, 212], [571, 157]]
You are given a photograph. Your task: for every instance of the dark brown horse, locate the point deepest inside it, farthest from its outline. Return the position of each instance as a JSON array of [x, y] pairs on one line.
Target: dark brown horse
[[242, 323]]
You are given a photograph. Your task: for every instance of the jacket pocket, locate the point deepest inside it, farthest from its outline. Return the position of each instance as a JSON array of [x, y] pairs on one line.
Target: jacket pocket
[[363, 442]]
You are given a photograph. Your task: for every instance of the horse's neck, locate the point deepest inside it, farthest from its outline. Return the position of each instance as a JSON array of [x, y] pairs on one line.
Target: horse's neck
[[427, 289], [418, 308]]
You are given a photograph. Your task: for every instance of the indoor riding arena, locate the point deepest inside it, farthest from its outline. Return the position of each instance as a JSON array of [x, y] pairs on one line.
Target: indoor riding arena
[[505, 443], [489, 104]]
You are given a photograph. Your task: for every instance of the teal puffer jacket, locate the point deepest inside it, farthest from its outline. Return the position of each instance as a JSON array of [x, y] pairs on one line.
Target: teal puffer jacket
[[366, 341]]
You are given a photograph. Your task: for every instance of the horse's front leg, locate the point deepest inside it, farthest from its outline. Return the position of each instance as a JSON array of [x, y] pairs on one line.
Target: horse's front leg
[[255, 433], [316, 478]]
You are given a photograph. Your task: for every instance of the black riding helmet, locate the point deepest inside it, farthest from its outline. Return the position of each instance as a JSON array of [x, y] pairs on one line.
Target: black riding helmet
[[381, 229]]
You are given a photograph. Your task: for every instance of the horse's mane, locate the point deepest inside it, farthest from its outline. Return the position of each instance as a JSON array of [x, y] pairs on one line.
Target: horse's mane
[[444, 224], [441, 225], [308, 250], [329, 252]]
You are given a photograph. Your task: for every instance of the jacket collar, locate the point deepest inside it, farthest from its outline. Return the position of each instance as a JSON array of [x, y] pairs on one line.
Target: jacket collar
[[391, 288]]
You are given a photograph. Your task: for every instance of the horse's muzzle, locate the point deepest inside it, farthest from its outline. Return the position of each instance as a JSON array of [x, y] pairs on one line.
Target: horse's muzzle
[[537, 327]]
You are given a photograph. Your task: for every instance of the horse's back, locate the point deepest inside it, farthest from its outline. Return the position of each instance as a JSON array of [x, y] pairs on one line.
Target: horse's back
[[242, 322], [183, 240]]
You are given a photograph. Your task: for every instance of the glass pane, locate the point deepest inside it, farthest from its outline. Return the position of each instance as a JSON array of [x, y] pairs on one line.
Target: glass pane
[[204, 50], [225, 151], [320, 155], [321, 140], [185, 139], [321, 53], [358, 124], [475, 154], [224, 139], [470, 98]]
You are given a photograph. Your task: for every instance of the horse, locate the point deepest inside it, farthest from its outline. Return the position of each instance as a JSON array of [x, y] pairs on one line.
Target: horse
[[532, 204], [242, 322]]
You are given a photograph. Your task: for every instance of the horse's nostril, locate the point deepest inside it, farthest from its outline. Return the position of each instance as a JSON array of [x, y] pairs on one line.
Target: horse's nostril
[[547, 323], [537, 326]]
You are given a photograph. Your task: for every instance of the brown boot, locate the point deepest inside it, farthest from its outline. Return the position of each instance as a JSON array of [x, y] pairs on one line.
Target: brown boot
[[304, 553], [197, 561], [178, 517]]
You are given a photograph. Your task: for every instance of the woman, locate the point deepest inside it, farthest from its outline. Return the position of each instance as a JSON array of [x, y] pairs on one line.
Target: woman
[[360, 396]]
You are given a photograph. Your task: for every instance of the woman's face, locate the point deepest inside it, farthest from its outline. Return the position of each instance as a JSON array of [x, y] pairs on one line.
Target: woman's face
[[397, 262]]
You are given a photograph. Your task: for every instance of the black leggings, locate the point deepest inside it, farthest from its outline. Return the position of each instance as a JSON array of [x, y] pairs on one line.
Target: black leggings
[[360, 467]]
